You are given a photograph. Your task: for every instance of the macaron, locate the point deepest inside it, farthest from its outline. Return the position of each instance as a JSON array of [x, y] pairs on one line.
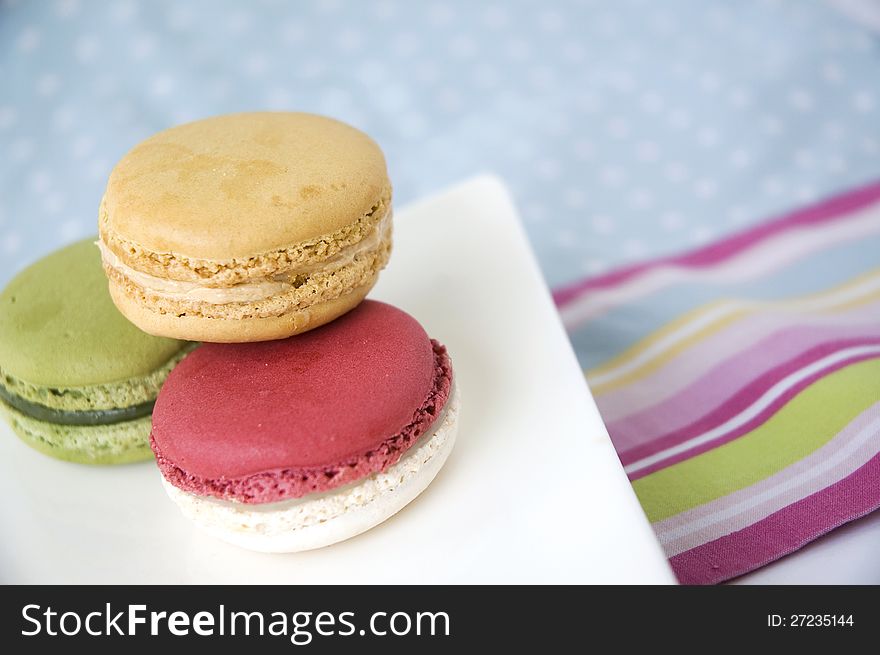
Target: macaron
[[246, 227], [77, 380], [296, 444]]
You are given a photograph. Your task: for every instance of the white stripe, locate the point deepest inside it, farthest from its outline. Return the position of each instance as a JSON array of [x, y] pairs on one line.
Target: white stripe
[[807, 482], [825, 301], [769, 255], [769, 396]]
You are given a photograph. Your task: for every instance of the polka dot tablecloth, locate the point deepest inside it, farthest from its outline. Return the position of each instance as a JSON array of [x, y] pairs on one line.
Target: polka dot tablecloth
[[625, 130]]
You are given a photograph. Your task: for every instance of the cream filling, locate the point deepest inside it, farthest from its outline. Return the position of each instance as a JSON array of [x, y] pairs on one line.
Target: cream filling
[[246, 291]]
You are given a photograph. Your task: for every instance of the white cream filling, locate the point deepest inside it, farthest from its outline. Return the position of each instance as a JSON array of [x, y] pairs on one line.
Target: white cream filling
[[246, 291]]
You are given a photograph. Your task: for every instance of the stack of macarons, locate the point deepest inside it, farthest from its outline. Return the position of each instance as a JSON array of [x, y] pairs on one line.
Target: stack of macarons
[[307, 415]]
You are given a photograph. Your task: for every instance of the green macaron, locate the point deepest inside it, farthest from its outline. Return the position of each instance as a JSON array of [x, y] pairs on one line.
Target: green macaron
[[77, 380]]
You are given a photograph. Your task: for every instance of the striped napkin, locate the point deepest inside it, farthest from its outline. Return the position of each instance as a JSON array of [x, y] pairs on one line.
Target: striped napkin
[[740, 384]]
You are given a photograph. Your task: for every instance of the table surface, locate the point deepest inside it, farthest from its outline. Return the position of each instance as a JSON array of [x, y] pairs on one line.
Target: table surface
[[533, 491]]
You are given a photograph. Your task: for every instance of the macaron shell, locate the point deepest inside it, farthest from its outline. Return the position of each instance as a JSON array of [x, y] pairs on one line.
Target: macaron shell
[[242, 184], [117, 443], [60, 328], [309, 401]]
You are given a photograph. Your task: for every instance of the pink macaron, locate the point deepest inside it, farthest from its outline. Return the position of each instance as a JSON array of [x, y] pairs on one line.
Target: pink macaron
[[282, 446]]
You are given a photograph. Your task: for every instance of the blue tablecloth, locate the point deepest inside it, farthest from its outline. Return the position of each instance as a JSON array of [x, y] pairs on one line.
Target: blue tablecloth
[[625, 129]]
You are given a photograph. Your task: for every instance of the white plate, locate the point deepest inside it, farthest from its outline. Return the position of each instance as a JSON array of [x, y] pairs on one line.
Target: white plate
[[533, 491]]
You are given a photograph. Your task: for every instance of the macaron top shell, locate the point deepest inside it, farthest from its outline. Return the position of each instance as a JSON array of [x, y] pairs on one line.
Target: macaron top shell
[[244, 184], [307, 402], [59, 327]]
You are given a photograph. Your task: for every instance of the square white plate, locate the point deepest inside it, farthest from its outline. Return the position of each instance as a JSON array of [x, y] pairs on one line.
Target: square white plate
[[532, 493]]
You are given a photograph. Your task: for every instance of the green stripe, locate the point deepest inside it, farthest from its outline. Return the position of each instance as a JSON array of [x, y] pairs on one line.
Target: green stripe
[[807, 422]]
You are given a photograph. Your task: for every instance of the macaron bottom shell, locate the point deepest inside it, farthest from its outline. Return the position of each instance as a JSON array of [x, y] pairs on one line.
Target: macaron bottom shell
[[322, 519], [114, 443]]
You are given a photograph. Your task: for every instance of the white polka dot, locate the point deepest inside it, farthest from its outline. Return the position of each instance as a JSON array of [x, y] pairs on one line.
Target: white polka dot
[[740, 98], [618, 127], [520, 149], [86, 48], [740, 158], [39, 181], [535, 213], [28, 40], [292, 32], [574, 52], [143, 46], [66, 8], [53, 202], [548, 169], [8, 116], [83, 145], [863, 102], [593, 266], [462, 47], [676, 172], [608, 25], [707, 137], [383, 10], [450, 100], [575, 198], [518, 49], [566, 238], [21, 150], [405, 44], [701, 234], [602, 224], [238, 22], [647, 151], [123, 11], [63, 118], [803, 158], [47, 84], [651, 102], [256, 64], [671, 221], [162, 85], [738, 215], [621, 80], [98, 169], [871, 146], [440, 14], [634, 248], [705, 188], [583, 149], [72, 228], [559, 127], [496, 17], [709, 81], [641, 199], [278, 98], [801, 100], [11, 243], [587, 102], [180, 17], [551, 21], [184, 115], [831, 72], [612, 176], [679, 119], [805, 194], [771, 186], [486, 76], [771, 125], [836, 164]]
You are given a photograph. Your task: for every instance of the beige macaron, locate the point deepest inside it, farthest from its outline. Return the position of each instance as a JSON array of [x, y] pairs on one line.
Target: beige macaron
[[245, 227]]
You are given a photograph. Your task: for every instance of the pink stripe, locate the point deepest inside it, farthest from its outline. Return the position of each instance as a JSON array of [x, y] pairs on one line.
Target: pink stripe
[[782, 532], [679, 372], [741, 400], [711, 391], [826, 211]]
